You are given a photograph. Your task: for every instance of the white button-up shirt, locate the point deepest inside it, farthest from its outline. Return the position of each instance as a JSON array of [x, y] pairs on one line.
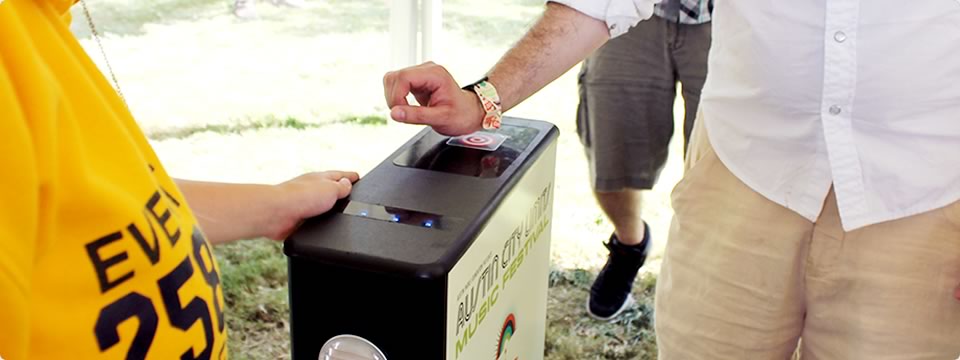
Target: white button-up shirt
[[802, 95]]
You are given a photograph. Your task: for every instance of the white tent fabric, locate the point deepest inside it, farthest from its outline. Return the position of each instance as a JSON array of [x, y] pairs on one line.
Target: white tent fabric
[[414, 28]]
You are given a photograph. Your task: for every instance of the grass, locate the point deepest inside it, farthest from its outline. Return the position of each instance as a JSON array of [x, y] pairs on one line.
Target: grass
[[254, 124], [502, 22], [497, 24], [571, 335], [129, 17], [254, 275]]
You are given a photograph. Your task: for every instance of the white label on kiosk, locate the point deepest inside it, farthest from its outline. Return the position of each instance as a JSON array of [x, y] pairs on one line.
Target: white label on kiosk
[[497, 292]]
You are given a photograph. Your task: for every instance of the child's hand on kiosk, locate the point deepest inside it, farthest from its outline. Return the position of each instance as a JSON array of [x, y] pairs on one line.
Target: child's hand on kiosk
[[309, 195]]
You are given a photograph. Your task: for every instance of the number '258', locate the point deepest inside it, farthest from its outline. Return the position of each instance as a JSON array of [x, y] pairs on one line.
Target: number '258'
[[181, 316]]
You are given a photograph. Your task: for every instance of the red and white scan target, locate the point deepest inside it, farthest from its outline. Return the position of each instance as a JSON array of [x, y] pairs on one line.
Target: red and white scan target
[[479, 140]]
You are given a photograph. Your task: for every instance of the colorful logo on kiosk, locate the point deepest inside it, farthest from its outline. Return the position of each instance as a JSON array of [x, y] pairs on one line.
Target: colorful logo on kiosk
[[506, 333]]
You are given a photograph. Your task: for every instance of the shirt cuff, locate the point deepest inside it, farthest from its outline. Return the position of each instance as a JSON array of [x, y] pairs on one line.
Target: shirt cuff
[[619, 15]]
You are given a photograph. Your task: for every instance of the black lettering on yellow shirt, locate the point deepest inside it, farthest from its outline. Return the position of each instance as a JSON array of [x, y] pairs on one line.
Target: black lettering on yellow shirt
[[100, 256]]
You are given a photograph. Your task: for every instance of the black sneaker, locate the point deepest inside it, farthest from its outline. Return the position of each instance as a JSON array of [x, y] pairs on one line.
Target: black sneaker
[[610, 293]]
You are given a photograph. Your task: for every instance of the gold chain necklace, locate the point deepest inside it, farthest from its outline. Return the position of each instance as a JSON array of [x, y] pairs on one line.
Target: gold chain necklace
[[96, 36]]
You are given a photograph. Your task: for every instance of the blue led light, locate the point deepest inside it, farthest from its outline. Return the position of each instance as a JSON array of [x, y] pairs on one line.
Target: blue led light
[[363, 213], [428, 223], [395, 218]]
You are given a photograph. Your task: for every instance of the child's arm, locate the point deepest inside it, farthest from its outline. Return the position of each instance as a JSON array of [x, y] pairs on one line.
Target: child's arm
[[228, 212]]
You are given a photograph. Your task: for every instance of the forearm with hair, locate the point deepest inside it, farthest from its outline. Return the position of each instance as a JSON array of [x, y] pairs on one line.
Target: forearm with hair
[[560, 39]]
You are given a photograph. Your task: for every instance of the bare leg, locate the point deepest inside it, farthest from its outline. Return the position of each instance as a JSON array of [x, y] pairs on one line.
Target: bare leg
[[623, 209]]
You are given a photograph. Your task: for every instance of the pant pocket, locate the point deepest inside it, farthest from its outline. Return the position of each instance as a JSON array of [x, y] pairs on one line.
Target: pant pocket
[[583, 111], [952, 213]]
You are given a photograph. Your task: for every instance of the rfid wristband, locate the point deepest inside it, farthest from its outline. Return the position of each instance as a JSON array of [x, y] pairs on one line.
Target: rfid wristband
[[490, 100]]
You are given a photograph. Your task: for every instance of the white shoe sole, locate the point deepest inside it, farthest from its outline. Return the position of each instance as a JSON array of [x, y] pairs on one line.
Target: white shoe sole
[[626, 304]]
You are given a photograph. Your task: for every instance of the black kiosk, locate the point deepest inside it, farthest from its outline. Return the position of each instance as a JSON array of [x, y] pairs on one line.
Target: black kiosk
[[441, 252]]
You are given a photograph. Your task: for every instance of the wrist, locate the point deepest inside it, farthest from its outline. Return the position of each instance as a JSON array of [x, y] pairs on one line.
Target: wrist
[[476, 109], [277, 211], [489, 100]]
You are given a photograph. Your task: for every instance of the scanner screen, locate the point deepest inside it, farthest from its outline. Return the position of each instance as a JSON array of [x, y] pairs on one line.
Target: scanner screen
[[432, 152], [394, 215]]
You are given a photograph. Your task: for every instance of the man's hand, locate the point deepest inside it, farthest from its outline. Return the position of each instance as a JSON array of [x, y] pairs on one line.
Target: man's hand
[[444, 106], [558, 41]]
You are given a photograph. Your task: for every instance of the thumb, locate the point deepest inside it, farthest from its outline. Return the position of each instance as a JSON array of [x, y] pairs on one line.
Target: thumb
[[423, 115], [343, 188]]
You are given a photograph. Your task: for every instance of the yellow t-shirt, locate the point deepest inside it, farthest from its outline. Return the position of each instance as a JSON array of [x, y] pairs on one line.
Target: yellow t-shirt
[[100, 257]]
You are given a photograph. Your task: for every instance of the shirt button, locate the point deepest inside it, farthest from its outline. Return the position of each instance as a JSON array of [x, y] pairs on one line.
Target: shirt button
[[835, 110], [840, 36]]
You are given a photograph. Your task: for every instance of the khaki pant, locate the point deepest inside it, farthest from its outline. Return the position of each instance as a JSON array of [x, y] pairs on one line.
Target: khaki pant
[[744, 278]]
